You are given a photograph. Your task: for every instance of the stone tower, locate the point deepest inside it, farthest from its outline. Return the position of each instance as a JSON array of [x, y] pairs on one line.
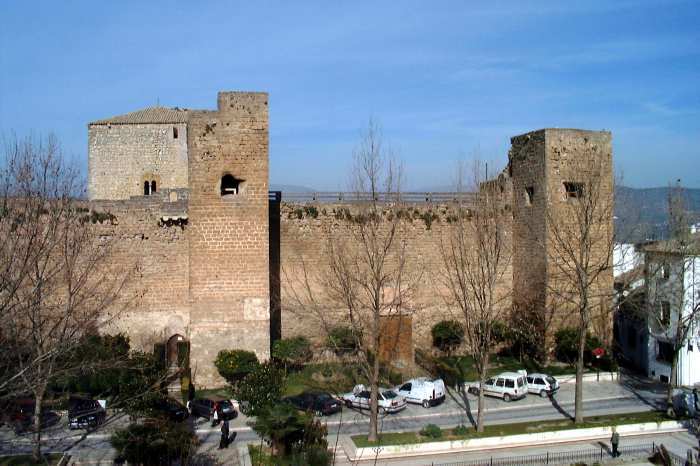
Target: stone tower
[[550, 169], [229, 236]]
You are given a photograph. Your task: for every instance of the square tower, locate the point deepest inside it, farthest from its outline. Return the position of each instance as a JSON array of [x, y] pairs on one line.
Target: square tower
[[552, 171], [229, 230]]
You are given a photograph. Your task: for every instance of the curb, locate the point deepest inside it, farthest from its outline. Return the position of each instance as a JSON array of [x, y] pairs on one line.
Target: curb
[[355, 453]]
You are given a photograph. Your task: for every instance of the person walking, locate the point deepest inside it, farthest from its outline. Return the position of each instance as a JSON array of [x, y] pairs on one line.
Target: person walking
[[615, 442], [215, 416], [223, 443]]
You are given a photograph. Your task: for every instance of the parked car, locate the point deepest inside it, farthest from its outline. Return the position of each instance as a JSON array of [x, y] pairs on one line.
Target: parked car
[[507, 385], [171, 408], [423, 391], [686, 402], [542, 384], [205, 407], [388, 401], [85, 413], [21, 416], [320, 403]]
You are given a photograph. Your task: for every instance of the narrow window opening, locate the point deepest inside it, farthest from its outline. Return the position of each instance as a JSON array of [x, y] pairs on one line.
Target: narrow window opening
[[174, 132], [230, 185], [573, 190], [153, 186], [665, 352], [665, 271], [665, 313], [529, 195], [146, 188]]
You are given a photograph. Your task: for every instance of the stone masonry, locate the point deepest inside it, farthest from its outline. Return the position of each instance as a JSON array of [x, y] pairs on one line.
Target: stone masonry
[[210, 267]]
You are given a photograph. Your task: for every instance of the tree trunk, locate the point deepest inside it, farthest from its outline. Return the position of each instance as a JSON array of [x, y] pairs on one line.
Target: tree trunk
[[39, 398], [480, 403], [578, 401], [373, 402], [672, 379]]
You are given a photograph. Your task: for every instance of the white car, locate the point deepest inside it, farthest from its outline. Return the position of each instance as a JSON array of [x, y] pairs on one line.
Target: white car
[[423, 391], [542, 384], [388, 401], [507, 385]]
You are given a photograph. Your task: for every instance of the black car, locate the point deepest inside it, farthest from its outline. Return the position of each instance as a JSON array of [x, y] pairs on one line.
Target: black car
[[205, 407], [21, 416], [170, 408], [320, 403], [85, 413]]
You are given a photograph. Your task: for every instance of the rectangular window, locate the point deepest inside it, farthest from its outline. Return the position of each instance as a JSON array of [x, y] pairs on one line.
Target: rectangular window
[[174, 132], [665, 271], [665, 352], [573, 190]]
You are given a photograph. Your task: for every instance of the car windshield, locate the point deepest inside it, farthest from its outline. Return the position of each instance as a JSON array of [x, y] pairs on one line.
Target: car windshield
[[225, 404], [521, 381], [550, 379], [323, 397], [389, 394]]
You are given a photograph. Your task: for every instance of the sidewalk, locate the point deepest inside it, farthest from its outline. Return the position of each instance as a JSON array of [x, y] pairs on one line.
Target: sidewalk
[[677, 443]]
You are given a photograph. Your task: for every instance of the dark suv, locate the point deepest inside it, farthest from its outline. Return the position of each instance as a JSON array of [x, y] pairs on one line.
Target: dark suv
[[205, 407], [85, 413]]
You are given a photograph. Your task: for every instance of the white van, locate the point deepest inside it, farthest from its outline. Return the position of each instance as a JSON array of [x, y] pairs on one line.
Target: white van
[[423, 391], [507, 385], [542, 384]]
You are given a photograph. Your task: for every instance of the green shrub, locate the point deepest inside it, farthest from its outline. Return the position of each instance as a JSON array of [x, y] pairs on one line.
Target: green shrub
[[235, 365], [342, 340], [566, 345], [447, 335], [155, 443], [460, 430], [431, 431], [292, 351], [261, 388]]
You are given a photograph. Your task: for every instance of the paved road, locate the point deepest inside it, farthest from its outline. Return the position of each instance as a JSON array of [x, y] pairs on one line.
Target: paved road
[[599, 398]]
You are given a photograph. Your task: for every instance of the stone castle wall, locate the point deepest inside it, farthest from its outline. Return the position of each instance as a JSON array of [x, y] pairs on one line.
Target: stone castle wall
[[303, 248], [123, 156]]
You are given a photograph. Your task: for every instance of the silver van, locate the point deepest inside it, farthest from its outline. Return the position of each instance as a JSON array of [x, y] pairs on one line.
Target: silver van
[[507, 385]]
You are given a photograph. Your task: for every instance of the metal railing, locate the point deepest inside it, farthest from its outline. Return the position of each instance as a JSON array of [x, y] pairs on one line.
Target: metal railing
[[340, 196], [559, 458]]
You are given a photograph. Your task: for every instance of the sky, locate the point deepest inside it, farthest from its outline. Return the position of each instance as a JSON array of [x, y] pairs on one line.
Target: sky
[[446, 80]]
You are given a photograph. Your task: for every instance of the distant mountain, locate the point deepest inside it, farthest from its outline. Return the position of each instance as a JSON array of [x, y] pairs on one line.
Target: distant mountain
[[642, 214], [291, 188]]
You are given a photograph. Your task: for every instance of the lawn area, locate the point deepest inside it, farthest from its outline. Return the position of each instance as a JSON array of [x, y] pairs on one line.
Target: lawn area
[[405, 438], [26, 460], [223, 392]]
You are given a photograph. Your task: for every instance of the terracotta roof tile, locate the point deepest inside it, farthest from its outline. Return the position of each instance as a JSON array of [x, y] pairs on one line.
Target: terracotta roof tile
[[147, 115]]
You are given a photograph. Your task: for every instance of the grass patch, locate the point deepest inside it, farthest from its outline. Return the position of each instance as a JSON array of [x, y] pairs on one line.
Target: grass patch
[[223, 392], [260, 456], [406, 438], [26, 460], [333, 378]]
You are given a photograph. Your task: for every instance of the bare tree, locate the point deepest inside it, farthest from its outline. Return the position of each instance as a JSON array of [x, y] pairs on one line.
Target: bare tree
[[56, 278], [475, 258], [365, 276], [672, 280], [580, 248]]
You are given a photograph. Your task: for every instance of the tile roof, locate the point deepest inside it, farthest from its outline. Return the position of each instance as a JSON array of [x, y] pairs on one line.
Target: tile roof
[[147, 115]]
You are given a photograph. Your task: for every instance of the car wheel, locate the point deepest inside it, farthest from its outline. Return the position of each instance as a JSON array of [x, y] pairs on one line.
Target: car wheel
[[506, 397], [382, 411], [348, 403], [426, 404], [473, 391], [543, 393]]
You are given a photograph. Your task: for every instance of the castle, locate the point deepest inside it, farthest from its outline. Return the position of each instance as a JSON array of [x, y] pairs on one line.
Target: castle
[[189, 193]]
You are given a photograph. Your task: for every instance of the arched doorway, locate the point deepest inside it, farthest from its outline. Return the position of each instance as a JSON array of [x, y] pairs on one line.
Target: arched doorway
[[172, 350]]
